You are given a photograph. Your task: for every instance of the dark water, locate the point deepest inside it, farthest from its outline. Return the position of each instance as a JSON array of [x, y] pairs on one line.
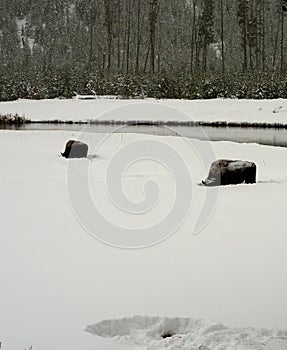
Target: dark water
[[270, 136]]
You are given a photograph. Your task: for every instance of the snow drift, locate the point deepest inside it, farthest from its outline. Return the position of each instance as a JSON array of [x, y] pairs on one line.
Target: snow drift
[[156, 333]]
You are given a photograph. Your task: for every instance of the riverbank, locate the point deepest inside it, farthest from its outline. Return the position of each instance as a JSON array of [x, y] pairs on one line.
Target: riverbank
[[220, 112]]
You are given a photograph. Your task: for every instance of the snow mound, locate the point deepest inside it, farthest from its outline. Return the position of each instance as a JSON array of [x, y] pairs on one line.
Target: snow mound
[[157, 333]]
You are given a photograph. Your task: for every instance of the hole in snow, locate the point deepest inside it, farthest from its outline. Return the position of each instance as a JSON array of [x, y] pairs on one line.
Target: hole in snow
[[167, 335]]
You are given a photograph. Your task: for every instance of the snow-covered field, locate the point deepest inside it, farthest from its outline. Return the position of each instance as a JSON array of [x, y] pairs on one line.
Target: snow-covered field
[[267, 111], [56, 278]]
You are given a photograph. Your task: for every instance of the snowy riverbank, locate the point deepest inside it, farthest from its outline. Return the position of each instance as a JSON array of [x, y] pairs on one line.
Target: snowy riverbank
[[231, 110], [56, 279]]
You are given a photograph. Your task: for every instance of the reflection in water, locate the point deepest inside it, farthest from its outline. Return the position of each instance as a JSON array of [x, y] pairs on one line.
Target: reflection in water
[[268, 136]]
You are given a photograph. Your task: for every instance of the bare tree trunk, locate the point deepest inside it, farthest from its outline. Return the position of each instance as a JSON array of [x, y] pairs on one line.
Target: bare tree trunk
[[92, 19], [263, 34], [258, 51], [138, 36], [193, 35], [91, 36], [244, 21], [146, 58], [282, 43], [154, 7], [124, 50], [158, 62], [204, 55], [250, 58], [249, 34], [104, 61], [109, 25], [128, 36], [119, 36], [222, 36], [245, 47], [276, 42]]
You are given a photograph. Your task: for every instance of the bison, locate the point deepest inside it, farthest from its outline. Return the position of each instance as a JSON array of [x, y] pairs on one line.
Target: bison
[[230, 172], [75, 149]]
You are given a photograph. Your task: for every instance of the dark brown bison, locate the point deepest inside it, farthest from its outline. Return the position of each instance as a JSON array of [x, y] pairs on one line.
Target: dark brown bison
[[75, 149], [230, 172]]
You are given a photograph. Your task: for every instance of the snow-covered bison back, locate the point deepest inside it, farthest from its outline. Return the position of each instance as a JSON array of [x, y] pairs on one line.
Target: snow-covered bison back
[[230, 172], [75, 149]]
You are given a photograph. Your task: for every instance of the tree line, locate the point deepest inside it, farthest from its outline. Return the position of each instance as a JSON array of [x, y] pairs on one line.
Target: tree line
[[59, 46]]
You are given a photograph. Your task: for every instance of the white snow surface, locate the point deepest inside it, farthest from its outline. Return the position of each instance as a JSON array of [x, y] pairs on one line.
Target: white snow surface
[[56, 279], [159, 333], [267, 111]]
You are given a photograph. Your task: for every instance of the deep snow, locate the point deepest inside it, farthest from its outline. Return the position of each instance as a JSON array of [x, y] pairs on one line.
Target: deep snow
[[56, 279]]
